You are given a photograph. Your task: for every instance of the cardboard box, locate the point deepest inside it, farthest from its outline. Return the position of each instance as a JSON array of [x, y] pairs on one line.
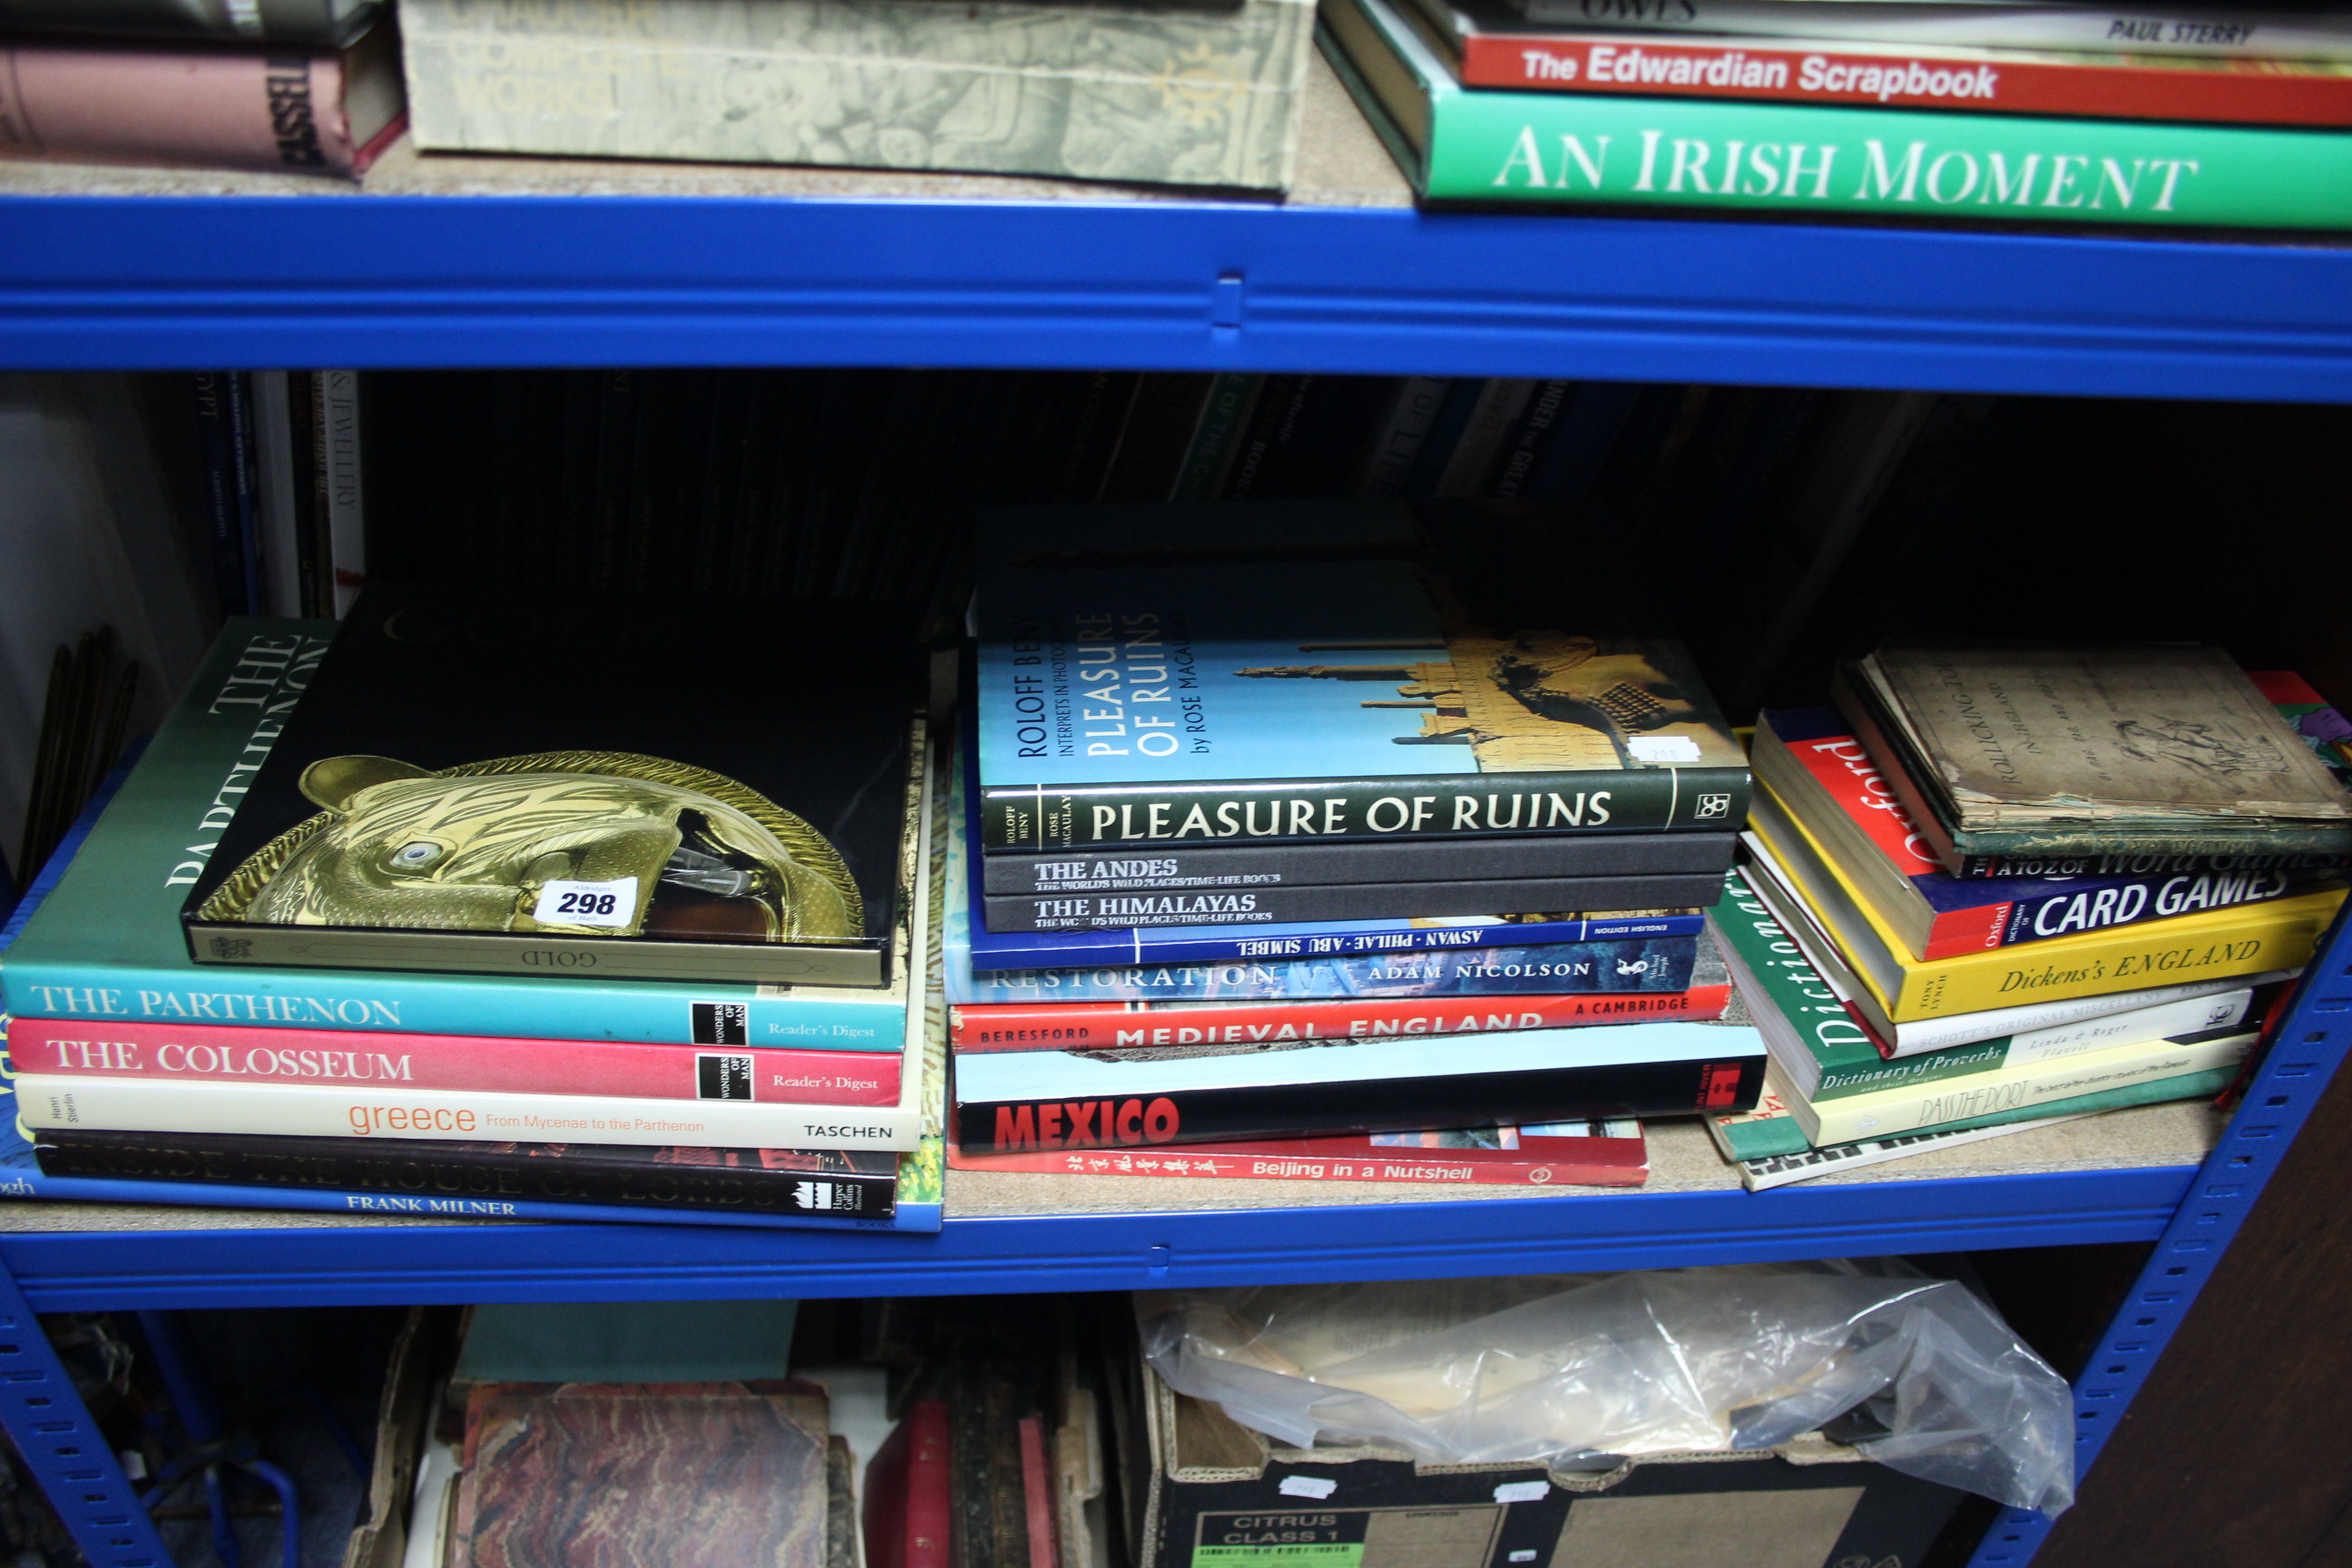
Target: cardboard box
[[1205, 1491]]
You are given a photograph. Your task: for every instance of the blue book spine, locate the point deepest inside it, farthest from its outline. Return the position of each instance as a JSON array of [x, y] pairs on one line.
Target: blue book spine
[[1213, 945]]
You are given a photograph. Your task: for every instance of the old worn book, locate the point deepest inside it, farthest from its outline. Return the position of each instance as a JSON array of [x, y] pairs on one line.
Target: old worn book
[[714, 1474], [1163, 94], [621, 787], [2123, 748]]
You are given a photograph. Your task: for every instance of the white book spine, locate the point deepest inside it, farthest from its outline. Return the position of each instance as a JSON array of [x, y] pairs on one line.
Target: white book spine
[[2036, 1018], [321, 1111], [2210, 34], [1890, 1112], [2182, 1017]]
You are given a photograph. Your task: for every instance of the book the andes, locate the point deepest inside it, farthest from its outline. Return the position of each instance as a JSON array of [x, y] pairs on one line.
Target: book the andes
[[620, 788], [1322, 673]]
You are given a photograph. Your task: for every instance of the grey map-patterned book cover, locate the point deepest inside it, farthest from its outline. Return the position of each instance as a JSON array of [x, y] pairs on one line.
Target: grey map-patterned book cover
[[1155, 94]]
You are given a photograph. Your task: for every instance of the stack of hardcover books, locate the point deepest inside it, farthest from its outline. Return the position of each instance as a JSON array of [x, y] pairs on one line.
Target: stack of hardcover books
[[1319, 821], [304, 87], [2020, 111], [480, 903], [1995, 887]]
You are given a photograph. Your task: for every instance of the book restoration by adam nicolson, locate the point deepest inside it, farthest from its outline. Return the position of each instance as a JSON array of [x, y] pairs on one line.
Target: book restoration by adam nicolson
[[464, 787]]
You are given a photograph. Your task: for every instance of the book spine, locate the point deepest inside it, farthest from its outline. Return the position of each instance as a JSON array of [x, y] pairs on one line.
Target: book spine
[[238, 401], [223, 534], [1977, 1057], [2268, 92], [2191, 1015], [1170, 867], [1763, 1175], [1435, 1102], [1404, 1166], [1404, 432], [1661, 799], [2142, 866], [2222, 945], [1377, 901], [2216, 33], [1801, 158], [261, 108], [1215, 438], [1084, 1026], [423, 1003], [498, 953], [279, 21], [450, 1063], [2110, 901], [2022, 1089], [519, 1179], [1179, 945], [340, 484], [309, 1110]]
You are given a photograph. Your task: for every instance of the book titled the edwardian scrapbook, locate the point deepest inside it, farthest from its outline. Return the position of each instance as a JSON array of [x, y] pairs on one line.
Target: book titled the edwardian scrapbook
[[617, 789]]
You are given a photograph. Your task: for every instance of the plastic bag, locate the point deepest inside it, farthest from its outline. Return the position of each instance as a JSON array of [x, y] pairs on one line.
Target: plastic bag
[[1551, 1370]]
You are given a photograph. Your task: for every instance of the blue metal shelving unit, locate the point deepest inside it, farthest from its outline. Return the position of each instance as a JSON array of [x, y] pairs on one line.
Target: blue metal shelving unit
[[100, 283]]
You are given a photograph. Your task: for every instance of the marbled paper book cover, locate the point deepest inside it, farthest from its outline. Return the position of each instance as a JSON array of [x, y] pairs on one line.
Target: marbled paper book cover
[[670, 1475]]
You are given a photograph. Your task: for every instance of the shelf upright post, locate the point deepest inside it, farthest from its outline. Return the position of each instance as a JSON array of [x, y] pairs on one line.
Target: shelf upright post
[[63, 1448], [2305, 1054]]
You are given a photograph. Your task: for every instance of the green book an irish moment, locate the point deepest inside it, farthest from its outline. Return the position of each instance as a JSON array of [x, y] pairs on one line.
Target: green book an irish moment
[[1493, 147]]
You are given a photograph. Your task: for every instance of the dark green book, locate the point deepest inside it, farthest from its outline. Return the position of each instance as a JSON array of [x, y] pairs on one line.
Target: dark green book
[[1490, 145], [1158, 677], [607, 787]]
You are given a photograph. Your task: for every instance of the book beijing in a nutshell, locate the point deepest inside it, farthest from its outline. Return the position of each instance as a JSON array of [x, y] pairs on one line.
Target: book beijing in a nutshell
[[627, 789]]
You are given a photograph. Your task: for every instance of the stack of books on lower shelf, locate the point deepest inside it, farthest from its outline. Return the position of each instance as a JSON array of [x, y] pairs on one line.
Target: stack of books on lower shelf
[[1995, 889], [1267, 820], [417, 913]]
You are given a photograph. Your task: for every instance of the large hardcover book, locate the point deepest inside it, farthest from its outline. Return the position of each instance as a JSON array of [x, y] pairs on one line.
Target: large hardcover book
[[257, 21], [1119, 1025], [1826, 1055], [1821, 775], [1262, 868], [1772, 1130], [2229, 943], [1542, 1154], [2115, 748], [2169, 29], [465, 786], [1492, 47], [1177, 943], [1165, 95], [711, 1473], [164, 1053], [1064, 911], [1015, 1101], [322, 112], [1323, 673], [107, 945], [1485, 145]]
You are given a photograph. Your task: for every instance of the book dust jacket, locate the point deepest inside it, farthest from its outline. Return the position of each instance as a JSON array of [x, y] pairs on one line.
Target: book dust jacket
[[616, 788], [1309, 672]]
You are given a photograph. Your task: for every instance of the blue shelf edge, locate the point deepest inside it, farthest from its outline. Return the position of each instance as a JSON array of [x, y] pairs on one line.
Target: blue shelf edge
[[76, 1271], [94, 282]]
